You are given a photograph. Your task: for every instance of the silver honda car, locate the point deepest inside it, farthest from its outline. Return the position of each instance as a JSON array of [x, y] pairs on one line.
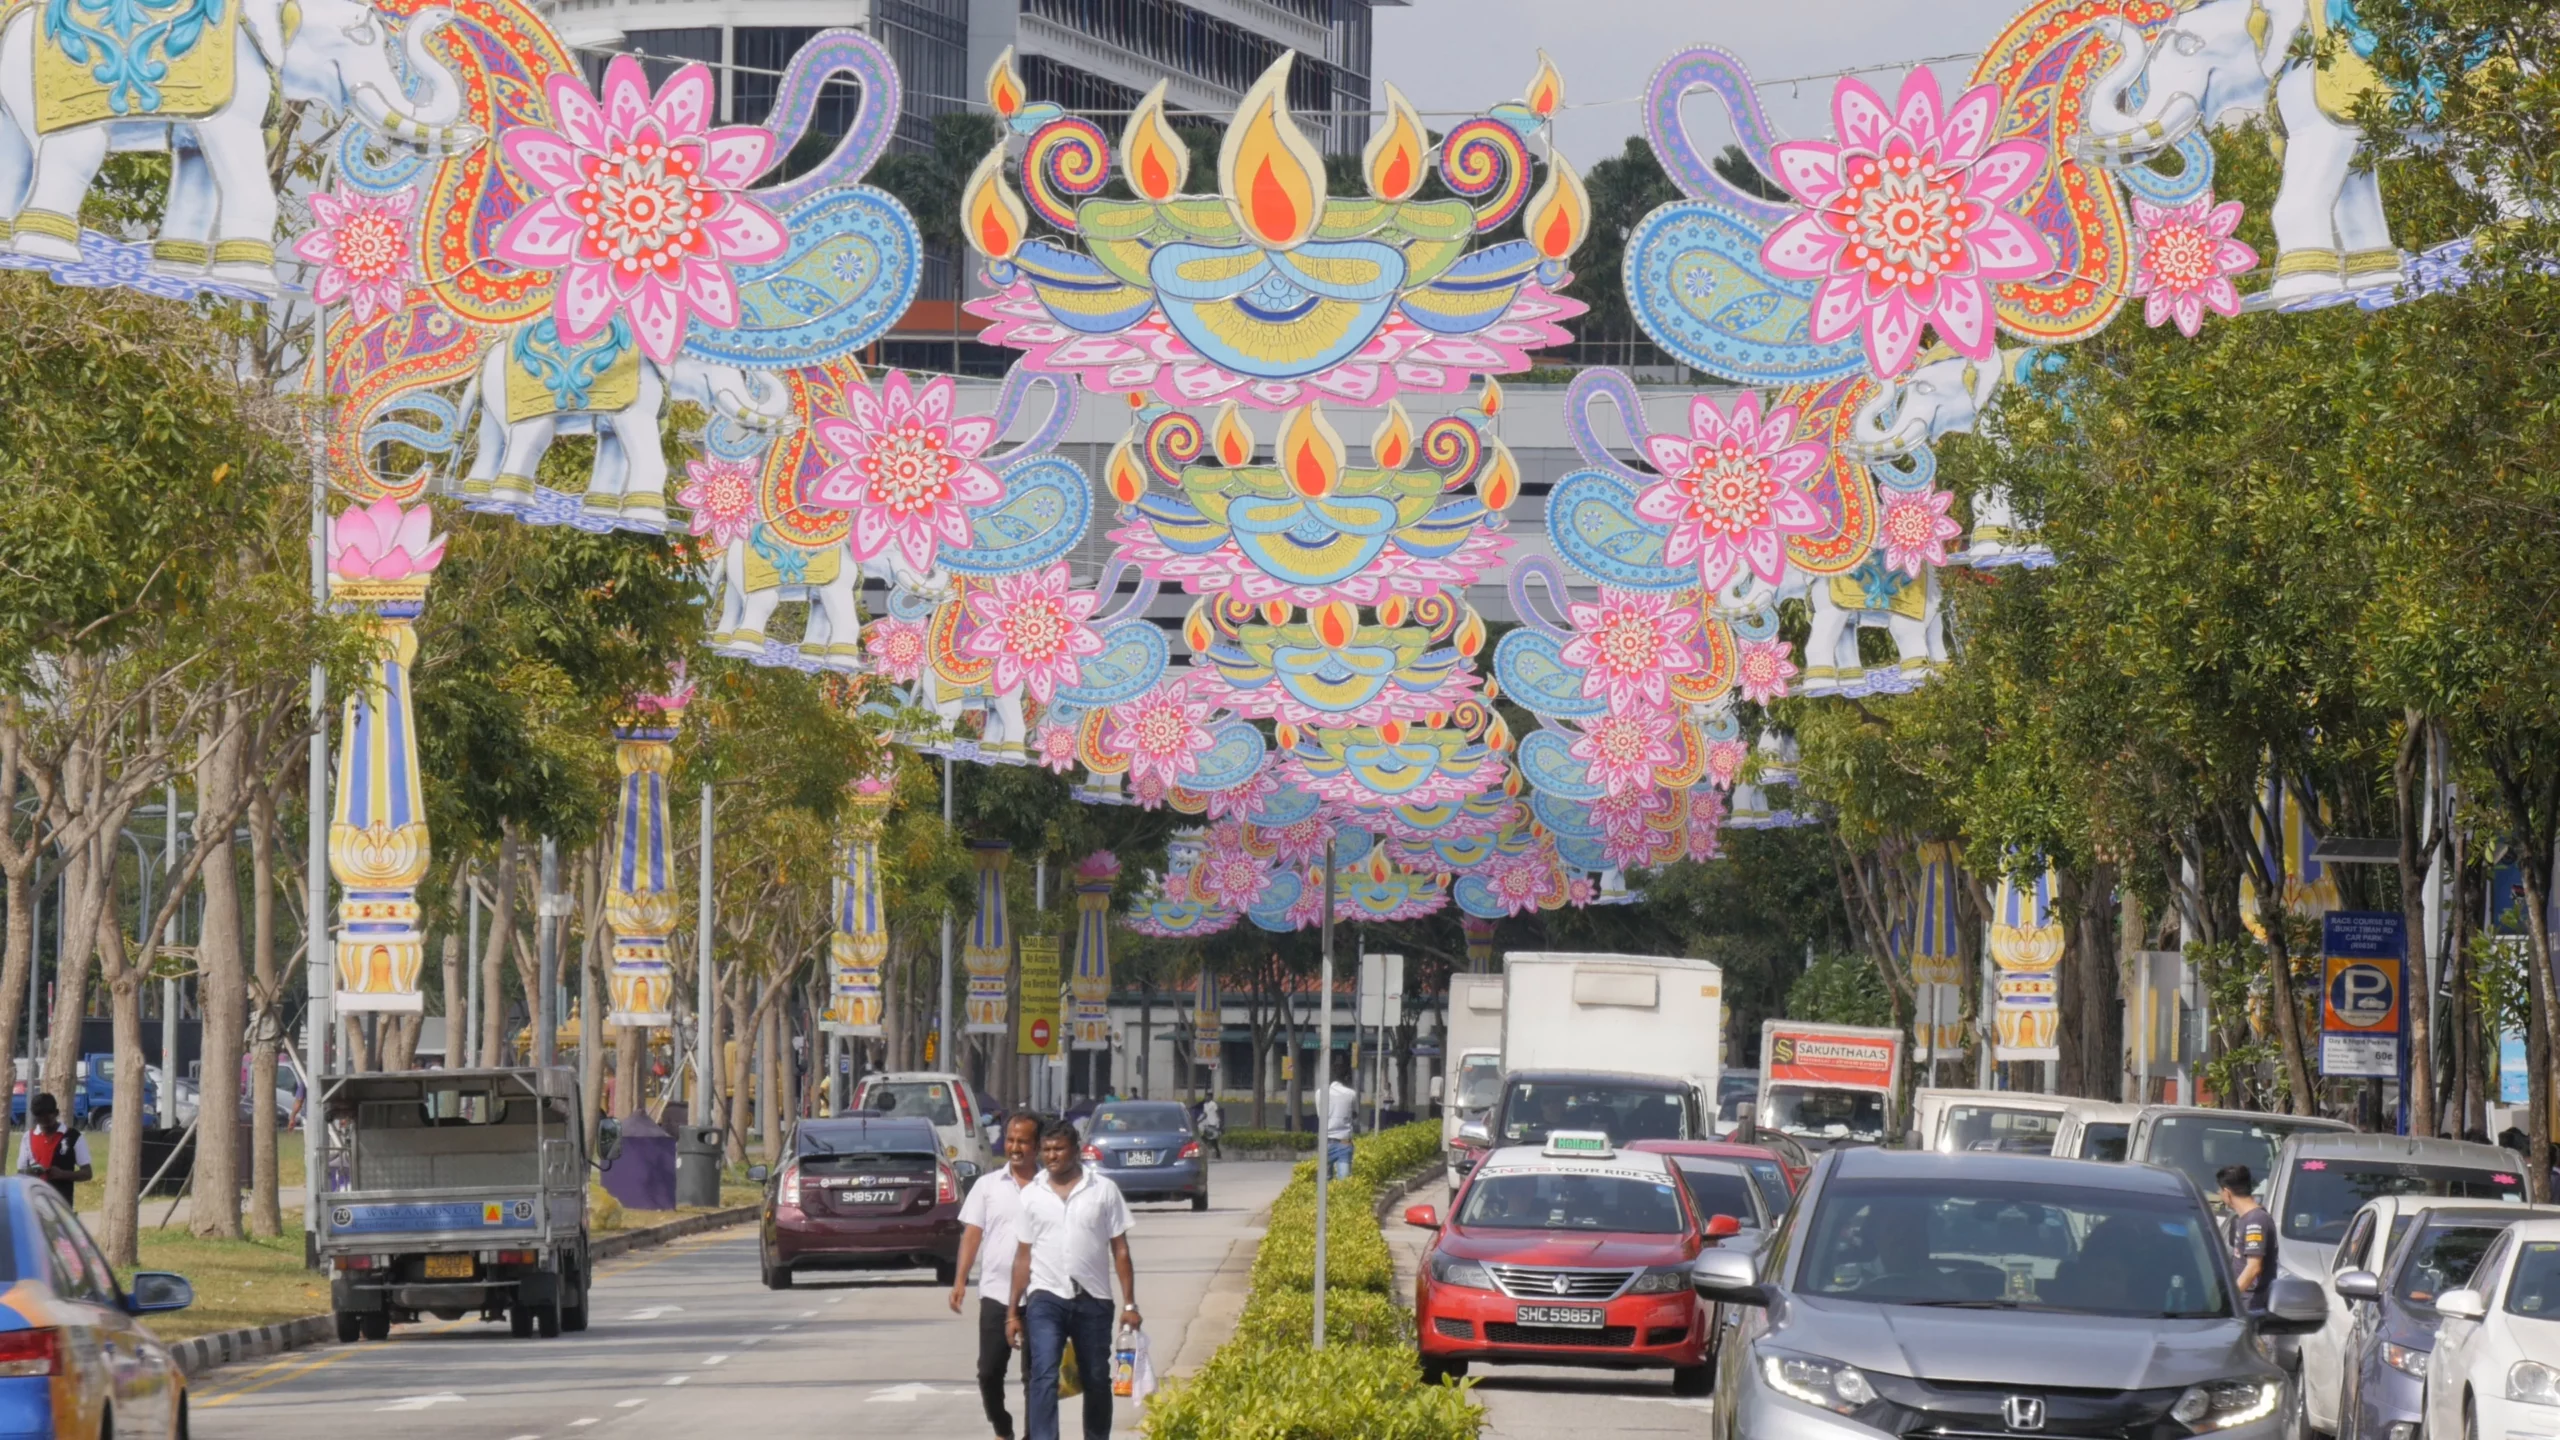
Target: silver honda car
[[1990, 1297]]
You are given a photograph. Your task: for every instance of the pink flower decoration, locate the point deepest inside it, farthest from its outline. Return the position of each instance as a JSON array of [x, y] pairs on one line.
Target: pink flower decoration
[[1725, 759], [1622, 750], [1730, 490], [1033, 626], [1300, 842], [1162, 732], [897, 648], [1915, 529], [911, 473], [1903, 222], [1308, 908], [381, 541], [1706, 824], [361, 244], [643, 207], [1055, 746], [2184, 258], [1580, 891], [1231, 878], [721, 497], [1238, 801], [1764, 668], [1629, 645], [1525, 881], [1628, 813]]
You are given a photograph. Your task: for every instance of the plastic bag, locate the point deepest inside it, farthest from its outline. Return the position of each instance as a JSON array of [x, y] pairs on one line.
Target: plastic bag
[[1133, 1372], [1070, 1378]]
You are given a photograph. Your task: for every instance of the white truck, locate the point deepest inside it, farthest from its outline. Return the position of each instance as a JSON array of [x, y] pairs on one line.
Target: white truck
[[1472, 1059], [1827, 1084]]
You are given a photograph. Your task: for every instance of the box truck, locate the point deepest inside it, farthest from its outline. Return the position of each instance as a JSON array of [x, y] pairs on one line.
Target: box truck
[[1826, 1085], [1473, 1078]]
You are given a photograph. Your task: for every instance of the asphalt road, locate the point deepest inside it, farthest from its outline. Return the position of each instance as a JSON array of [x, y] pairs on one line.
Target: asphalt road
[[687, 1342]]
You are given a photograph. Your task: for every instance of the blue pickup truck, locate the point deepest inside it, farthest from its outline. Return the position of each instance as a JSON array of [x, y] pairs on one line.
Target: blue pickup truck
[[93, 1099]]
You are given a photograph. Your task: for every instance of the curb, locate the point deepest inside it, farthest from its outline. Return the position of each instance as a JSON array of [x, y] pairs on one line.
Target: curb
[[228, 1347]]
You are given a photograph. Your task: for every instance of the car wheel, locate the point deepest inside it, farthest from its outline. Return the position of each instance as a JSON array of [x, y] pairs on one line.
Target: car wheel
[[2297, 1416], [1435, 1372], [520, 1322], [103, 1119], [945, 1271], [376, 1324], [350, 1327], [1200, 1201], [547, 1319], [106, 1424], [1691, 1380], [2470, 1419], [777, 1277], [183, 1428], [573, 1318]]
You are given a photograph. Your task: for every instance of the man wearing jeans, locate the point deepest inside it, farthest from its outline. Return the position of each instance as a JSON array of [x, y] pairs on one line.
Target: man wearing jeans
[[1074, 1232], [987, 1241], [1341, 1106]]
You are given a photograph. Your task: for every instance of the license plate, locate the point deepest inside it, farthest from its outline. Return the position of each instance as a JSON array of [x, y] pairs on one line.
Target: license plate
[[1139, 1157], [1578, 1317], [448, 1267], [872, 1197]]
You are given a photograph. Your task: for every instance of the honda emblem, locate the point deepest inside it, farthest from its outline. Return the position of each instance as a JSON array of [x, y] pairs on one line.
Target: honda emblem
[[2023, 1412]]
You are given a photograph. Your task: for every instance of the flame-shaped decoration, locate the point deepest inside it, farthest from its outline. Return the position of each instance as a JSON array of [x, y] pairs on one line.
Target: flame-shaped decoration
[[1277, 612], [1511, 784], [1560, 213], [1128, 477], [1153, 155], [1233, 437], [1546, 89], [1391, 613], [1337, 624], [1197, 632], [1490, 402], [1497, 736], [1500, 483], [1471, 634], [1286, 734], [1378, 855], [992, 216], [1437, 719], [1392, 445], [1394, 158], [1005, 92], [1310, 452], [1273, 178], [1393, 733]]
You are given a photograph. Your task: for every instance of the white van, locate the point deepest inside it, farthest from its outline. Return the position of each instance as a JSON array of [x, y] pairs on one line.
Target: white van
[[938, 1096], [2004, 1122]]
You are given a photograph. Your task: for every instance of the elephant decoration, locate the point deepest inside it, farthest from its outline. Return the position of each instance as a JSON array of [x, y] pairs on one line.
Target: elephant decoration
[[1874, 596], [197, 78], [1947, 394], [760, 570], [531, 388]]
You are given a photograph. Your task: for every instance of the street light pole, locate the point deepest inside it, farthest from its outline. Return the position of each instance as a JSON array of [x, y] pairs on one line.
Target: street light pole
[[546, 919], [318, 971], [1324, 1088], [705, 994], [942, 1053]]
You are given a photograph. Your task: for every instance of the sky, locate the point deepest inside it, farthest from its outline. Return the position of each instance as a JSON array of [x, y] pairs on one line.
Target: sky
[[1461, 56]]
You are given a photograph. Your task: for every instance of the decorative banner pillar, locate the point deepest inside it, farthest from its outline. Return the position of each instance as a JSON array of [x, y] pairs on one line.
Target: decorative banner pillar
[[1935, 939], [2026, 950], [639, 904], [988, 957], [380, 558], [1479, 943], [1208, 1026], [860, 946], [1091, 988]]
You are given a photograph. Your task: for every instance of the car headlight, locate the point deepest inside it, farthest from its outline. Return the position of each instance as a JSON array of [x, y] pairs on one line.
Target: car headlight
[[2533, 1383], [2225, 1403], [1661, 1280], [1830, 1384], [1465, 1274], [2405, 1360]]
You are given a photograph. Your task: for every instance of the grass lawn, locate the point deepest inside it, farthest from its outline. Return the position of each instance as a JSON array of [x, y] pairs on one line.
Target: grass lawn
[[238, 1282]]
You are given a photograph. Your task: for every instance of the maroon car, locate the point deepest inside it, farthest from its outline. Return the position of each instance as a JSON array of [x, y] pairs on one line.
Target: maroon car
[[861, 1193]]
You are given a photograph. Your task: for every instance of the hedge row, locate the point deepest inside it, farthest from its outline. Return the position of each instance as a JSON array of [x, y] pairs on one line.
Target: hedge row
[[1299, 1140], [1264, 1384]]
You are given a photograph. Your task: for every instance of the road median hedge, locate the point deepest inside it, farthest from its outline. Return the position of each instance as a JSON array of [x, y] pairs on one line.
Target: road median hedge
[[1266, 1383]]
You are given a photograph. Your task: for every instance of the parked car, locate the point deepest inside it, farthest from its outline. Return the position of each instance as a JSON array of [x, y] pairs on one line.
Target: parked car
[[861, 1192], [1147, 1148], [1569, 1252], [2095, 1130], [76, 1361], [1914, 1293], [1768, 1173], [943, 1100], [2198, 1142], [2395, 1319], [2496, 1369], [2007, 1122]]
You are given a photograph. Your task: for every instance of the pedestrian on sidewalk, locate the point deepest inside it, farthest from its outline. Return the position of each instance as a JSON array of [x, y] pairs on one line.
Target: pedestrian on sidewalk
[[57, 1156], [1074, 1233], [990, 1232], [1341, 1107], [1213, 1124]]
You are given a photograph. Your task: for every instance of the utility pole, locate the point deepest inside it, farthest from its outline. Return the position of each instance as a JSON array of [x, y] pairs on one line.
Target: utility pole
[[1324, 1087], [168, 988], [318, 971], [706, 996], [546, 924], [943, 1056]]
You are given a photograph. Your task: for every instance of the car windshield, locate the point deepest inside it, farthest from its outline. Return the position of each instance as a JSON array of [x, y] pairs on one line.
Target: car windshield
[[865, 1150], [2011, 1246], [2198, 1146], [1548, 1200], [1993, 1128], [2535, 1290], [2104, 1140], [1479, 1082], [1141, 1120], [1624, 1113], [2442, 1258], [1772, 1180], [2326, 1193], [1720, 1188], [917, 1099], [1818, 1114]]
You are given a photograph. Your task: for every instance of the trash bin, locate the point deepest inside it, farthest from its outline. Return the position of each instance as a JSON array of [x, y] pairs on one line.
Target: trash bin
[[698, 1161]]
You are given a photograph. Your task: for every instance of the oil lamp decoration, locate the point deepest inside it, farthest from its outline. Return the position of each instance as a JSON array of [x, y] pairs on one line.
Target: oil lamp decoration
[[1267, 291]]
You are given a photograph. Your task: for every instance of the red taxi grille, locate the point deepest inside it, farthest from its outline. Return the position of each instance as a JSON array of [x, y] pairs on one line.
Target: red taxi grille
[[1611, 1337]]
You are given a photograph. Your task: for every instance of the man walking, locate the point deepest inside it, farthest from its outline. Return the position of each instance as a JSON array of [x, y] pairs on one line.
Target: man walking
[[990, 1231], [1341, 1106], [1213, 1126], [57, 1156], [1074, 1234], [2252, 1236]]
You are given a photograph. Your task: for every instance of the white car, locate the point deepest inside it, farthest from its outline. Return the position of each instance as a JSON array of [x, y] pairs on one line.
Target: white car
[[2496, 1370], [943, 1099]]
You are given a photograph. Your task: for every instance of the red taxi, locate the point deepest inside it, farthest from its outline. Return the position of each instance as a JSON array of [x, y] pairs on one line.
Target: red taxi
[[1569, 1253]]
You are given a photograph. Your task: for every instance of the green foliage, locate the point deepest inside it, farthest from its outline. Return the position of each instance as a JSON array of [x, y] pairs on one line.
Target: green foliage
[[1840, 989], [1299, 1140]]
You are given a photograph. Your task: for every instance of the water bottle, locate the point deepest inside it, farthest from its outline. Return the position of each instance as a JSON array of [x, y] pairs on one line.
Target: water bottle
[[1124, 1365]]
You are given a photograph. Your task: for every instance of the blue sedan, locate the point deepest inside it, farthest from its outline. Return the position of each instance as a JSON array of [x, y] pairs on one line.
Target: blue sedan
[[1147, 1149], [75, 1361], [2385, 1362]]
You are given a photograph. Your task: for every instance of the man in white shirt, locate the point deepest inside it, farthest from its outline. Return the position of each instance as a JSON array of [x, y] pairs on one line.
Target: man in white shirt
[[1074, 1233], [1341, 1104], [989, 1233]]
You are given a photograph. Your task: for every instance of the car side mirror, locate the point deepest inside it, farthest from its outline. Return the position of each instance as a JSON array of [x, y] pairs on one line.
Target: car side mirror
[[756, 1173], [2465, 1304], [1422, 1217], [2295, 1306], [608, 1143], [1722, 1227], [1730, 1276], [1476, 1132], [153, 1291], [2357, 1285]]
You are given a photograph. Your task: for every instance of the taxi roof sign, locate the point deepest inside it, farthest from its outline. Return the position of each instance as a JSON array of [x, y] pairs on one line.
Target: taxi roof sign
[[1584, 1144]]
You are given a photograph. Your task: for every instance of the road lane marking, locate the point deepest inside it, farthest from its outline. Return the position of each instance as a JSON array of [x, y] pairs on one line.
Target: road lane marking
[[783, 1326], [838, 1300], [678, 1379], [331, 1358], [714, 1359], [653, 1312], [908, 1393], [627, 1404], [752, 1340], [421, 1402], [808, 1314], [578, 1424]]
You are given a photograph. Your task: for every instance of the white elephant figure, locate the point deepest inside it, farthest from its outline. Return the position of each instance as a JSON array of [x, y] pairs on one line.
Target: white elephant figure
[[2222, 59], [761, 570], [1005, 734], [1874, 596], [1947, 394], [182, 79], [531, 388]]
